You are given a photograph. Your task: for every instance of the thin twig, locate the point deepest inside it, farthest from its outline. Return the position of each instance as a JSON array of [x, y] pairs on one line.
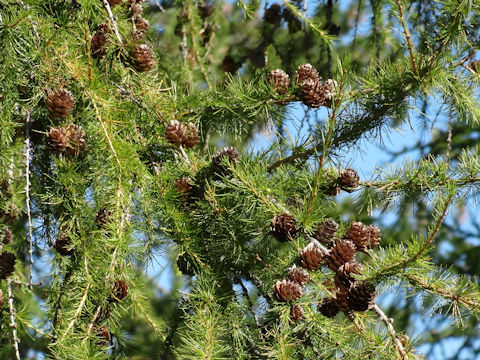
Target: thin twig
[[27, 199], [184, 154], [391, 330], [112, 20], [408, 37], [13, 323]]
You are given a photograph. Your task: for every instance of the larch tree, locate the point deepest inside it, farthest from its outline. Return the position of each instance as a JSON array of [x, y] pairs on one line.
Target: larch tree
[[126, 132]]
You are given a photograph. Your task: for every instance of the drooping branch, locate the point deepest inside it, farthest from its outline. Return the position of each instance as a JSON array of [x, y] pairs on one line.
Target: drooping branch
[[27, 199], [13, 323]]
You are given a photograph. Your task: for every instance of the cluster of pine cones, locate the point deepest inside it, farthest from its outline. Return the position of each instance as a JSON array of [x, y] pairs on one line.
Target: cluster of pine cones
[[337, 253], [181, 135], [315, 93], [142, 57]]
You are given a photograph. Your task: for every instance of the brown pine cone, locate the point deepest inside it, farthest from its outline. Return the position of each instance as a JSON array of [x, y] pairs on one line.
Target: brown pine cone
[[287, 290], [329, 88], [257, 57], [69, 140], [348, 179], [63, 245], [344, 278], [184, 187], [113, 3], [342, 252], [294, 24], [175, 132], [272, 14], [102, 315], [191, 136], [135, 9], [341, 298], [296, 313], [59, 103], [328, 307], [99, 41], [205, 10], [359, 234], [311, 257], [229, 153], [7, 264], [229, 65], [141, 26], [102, 334], [283, 227], [307, 72], [103, 217], [313, 94], [325, 232], [280, 80], [7, 236], [143, 59], [119, 291], [298, 275], [361, 296], [374, 236]]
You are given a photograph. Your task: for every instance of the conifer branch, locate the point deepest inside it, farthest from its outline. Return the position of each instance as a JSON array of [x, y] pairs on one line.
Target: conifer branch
[[331, 124], [13, 323], [28, 151], [408, 37], [77, 312], [112, 20], [250, 305], [391, 330], [147, 317]]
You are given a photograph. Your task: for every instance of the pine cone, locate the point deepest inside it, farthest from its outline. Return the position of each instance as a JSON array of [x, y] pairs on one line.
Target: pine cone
[[143, 59], [175, 132], [341, 298], [257, 57], [186, 264], [102, 334], [191, 136], [99, 41], [59, 103], [294, 24], [229, 65], [103, 217], [313, 94], [119, 291], [184, 187], [63, 245], [298, 275], [69, 139], [135, 9], [348, 179], [113, 3], [296, 313], [287, 290], [205, 10], [343, 278], [329, 87], [311, 257], [325, 232], [361, 296], [272, 14], [283, 227], [141, 26], [342, 252], [7, 236], [229, 153], [307, 72], [280, 80], [7, 264], [359, 234], [328, 307], [374, 236]]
